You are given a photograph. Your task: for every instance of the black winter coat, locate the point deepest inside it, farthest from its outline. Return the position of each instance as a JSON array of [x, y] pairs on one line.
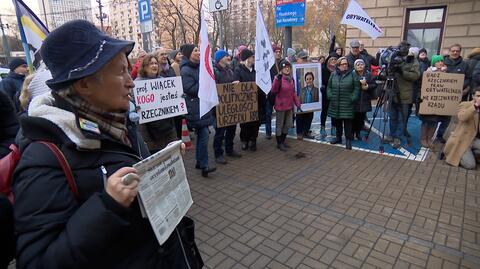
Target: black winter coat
[[6, 232], [242, 74], [474, 69], [55, 230], [190, 72], [223, 75], [12, 85], [458, 66], [8, 124], [364, 103]]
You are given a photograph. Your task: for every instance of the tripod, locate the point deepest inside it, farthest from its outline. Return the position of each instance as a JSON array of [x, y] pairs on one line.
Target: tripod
[[386, 96]]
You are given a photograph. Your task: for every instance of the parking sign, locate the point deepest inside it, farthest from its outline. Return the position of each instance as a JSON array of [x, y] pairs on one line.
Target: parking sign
[[144, 11]]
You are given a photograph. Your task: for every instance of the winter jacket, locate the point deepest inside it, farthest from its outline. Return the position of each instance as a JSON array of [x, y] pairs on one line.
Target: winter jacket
[[458, 66], [8, 124], [189, 72], [474, 68], [243, 74], [371, 60], [223, 75], [157, 134], [405, 77], [417, 84], [352, 58], [56, 230], [315, 95], [12, 85], [273, 73], [343, 91], [176, 68], [326, 73], [6, 232], [168, 73], [364, 102], [285, 96]]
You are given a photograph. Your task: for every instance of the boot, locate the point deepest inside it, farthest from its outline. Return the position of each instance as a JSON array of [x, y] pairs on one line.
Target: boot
[[348, 144], [284, 137], [280, 145], [253, 145], [323, 133], [207, 170], [423, 136], [338, 140], [244, 145]]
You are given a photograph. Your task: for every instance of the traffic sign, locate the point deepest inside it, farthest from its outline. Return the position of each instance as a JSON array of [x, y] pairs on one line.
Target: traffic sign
[[218, 5], [283, 2], [290, 14], [145, 16]]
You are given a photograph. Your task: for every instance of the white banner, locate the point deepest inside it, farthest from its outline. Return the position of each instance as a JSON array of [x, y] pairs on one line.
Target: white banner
[[264, 58], [355, 16], [207, 88], [159, 98]]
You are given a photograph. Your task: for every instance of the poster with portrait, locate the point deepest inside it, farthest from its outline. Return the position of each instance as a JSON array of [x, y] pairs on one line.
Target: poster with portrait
[[308, 80]]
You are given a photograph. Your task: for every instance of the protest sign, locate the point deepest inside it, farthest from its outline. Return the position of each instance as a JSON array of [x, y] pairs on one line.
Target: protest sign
[[308, 80], [164, 193], [159, 98], [238, 103], [441, 93]]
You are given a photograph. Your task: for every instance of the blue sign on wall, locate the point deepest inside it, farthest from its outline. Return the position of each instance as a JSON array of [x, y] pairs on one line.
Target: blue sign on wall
[[144, 11], [290, 15]]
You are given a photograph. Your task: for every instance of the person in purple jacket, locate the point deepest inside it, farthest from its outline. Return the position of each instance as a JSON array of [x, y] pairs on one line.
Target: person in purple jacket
[[284, 88]]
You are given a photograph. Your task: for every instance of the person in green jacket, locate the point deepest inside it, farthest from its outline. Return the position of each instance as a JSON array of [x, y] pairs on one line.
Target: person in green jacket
[[343, 90]]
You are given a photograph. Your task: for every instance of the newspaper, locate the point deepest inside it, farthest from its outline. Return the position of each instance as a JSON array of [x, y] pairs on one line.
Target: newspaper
[[164, 191]]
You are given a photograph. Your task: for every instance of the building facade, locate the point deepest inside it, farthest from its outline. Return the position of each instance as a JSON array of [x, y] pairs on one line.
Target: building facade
[[431, 24], [58, 12]]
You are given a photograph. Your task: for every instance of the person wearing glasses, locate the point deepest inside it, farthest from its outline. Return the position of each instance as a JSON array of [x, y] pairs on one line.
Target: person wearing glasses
[[364, 103], [343, 91]]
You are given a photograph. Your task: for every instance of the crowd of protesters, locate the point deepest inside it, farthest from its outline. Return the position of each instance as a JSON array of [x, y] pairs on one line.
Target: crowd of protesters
[[85, 107]]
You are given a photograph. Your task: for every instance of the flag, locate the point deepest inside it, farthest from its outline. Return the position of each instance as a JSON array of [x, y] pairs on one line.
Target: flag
[[358, 18], [207, 88], [32, 32], [264, 58]]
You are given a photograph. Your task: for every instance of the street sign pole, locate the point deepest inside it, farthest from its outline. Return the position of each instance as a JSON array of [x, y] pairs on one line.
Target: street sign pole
[[288, 39], [146, 24]]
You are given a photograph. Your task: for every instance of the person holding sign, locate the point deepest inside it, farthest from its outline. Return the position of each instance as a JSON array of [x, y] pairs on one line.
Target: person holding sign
[[95, 221], [224, 74], [245, 72], [157, 134], [463, 145], [189, 70], [285, 98], [308, 94], [343, 92]]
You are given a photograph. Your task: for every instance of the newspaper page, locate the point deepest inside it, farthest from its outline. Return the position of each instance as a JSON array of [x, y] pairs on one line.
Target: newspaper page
[[164, 190]]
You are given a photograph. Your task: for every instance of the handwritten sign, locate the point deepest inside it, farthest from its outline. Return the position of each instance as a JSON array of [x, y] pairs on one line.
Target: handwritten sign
[[441, 93], [159, 98], [237, 103]]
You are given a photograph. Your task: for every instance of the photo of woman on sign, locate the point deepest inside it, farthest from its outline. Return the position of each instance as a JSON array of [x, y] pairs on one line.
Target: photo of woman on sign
[[309, 93]]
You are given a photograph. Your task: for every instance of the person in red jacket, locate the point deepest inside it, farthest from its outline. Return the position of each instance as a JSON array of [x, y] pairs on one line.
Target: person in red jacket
[[138, 64], [284, 89]]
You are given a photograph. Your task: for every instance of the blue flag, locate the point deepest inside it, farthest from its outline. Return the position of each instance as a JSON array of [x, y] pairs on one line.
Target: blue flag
[[32, 32]]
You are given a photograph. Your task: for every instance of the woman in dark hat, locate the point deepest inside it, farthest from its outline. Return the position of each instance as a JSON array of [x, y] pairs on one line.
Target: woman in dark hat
[[245, 72], [285, 98], [94, 221]]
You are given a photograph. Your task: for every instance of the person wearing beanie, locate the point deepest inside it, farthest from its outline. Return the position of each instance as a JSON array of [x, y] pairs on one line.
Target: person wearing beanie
[[224, 74], [90, 210], [189, 71], [175, 58], [274, 70], [12, 84], [364, 103], [291, 55], [245, 72], [236, 60]]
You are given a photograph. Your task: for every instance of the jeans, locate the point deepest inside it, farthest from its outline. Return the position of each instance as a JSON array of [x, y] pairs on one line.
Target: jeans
[[468, 160], [268, 117], [304, 123], [201, 152], [284, 122], [398, 119], [227, 133]]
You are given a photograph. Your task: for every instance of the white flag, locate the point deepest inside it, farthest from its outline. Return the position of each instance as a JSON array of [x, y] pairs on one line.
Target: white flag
[[264, 58], [357, 17], [207, 89]]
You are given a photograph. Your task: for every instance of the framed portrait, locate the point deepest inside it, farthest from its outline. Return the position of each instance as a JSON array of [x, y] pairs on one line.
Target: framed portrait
[[308, 80]]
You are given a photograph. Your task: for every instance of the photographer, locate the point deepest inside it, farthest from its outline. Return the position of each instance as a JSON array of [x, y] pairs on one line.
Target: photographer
[[406, 71]]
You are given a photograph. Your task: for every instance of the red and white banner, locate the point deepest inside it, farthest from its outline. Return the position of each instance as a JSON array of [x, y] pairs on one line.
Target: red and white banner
[[207, 88]]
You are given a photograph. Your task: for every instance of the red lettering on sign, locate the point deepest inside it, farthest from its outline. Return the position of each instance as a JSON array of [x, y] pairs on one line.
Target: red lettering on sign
[[145, 99]]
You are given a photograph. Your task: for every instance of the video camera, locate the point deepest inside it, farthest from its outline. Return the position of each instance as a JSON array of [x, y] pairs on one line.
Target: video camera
[[390, 60]]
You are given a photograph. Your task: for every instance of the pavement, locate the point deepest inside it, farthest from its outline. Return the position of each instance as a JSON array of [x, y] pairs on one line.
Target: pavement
[[334, 209]]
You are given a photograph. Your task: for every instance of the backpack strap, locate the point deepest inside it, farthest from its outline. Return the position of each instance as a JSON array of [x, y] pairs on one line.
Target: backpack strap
[[65, 167]]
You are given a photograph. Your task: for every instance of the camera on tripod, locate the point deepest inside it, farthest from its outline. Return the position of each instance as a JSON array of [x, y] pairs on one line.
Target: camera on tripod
[[390, 60]]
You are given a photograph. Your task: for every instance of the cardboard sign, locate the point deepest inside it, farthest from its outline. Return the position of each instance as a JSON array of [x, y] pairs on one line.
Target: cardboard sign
[[159, 98], [238, 103], [441, 93]]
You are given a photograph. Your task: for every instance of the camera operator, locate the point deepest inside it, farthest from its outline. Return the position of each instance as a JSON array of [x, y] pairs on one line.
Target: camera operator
[[406, 71], [355, 55]]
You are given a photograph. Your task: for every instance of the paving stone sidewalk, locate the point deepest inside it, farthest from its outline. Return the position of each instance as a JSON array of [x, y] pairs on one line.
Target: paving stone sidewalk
[[335, 209]]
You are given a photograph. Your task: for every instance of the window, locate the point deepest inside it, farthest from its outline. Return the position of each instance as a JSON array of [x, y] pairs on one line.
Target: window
[[424, 28]]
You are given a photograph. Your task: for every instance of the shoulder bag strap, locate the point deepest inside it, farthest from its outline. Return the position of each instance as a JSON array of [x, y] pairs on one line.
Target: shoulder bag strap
[[65, 167]]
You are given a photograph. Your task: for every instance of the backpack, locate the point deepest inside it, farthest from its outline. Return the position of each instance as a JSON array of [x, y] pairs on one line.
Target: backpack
[[10, 161]]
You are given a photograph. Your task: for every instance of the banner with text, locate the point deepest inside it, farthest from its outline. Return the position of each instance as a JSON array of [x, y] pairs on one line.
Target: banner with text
[[441, 93], [237, 103], [357, 17], [159, 98]]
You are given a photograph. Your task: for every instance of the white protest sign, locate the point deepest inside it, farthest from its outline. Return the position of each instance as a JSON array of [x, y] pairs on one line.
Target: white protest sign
[[164, 191], [159, 98], [357, 17]]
